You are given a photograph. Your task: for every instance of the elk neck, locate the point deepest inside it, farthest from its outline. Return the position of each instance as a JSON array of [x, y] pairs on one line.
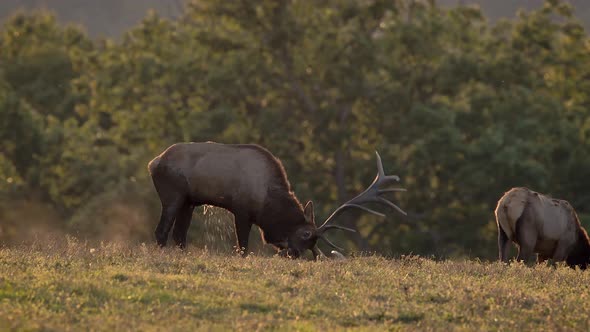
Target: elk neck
[[580, 253], [281, 215]]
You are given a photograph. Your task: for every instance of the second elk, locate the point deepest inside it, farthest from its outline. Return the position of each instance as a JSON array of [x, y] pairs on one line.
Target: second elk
[[543, 225]]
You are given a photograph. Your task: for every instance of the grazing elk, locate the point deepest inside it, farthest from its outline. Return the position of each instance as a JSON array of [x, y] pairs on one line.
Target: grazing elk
[[542, 225], [250, 182]]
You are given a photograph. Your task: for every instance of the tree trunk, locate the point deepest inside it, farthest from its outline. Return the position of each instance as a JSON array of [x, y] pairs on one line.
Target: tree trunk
[[348, 217]]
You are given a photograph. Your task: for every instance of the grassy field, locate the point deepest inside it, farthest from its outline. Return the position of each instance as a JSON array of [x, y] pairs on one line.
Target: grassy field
[[72, 286]]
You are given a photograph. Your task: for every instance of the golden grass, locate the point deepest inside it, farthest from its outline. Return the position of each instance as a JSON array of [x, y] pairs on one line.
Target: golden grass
[[70, 286]]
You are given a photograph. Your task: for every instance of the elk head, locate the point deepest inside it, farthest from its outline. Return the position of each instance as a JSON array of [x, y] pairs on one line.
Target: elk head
[[306, 237]]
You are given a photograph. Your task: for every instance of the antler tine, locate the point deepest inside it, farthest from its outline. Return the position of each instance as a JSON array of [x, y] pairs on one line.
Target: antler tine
[[379, 214], [347, 205], [391, 204], [337, 227], [380, 171], [374, 191], [330, 243], [372, 194], [317, 253], [382, 191]]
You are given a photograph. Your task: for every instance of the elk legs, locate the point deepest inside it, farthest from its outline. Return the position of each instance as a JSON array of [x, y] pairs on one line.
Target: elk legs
[[526, 237], [503, 246], [560, 253], [169, 212], [542, 258], [182, 223], [172, 196], [243, 226]]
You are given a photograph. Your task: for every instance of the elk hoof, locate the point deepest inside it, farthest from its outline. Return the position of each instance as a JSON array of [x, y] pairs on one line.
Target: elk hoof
[[161, 240]]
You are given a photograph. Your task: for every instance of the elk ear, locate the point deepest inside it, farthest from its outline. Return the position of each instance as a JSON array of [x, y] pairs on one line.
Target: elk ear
[[308, 213]]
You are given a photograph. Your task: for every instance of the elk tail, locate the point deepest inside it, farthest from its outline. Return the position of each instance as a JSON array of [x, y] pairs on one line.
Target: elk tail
[[510, 208], [153, 165]]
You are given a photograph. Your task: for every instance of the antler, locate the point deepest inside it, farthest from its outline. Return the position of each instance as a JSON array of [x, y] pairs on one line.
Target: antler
[[371, 194]]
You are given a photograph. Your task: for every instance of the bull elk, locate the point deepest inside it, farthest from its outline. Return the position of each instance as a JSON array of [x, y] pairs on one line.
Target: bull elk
[[251, 183], [543, 225]]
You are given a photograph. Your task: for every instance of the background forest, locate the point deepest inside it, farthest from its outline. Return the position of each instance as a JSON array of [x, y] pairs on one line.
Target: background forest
[[460, 106]]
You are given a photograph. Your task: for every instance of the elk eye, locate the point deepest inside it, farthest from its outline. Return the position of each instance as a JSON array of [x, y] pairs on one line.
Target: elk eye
[[306, 235]]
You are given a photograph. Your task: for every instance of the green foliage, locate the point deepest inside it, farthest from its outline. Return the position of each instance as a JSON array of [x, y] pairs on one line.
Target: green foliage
[[461, 108], [20, 138]]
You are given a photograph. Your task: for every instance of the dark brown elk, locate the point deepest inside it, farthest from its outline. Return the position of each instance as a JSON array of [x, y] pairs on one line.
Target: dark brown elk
[[543, 225], [250, 182]]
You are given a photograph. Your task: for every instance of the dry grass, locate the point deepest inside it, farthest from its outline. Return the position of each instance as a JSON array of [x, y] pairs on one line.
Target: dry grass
[[71, 286]]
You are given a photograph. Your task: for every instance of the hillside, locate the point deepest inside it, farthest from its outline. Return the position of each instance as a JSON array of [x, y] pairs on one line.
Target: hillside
[[75, 287]]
